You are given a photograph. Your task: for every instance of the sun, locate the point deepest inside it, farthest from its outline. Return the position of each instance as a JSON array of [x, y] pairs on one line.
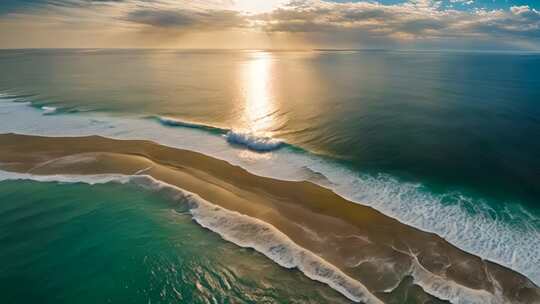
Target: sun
[[257, 6]]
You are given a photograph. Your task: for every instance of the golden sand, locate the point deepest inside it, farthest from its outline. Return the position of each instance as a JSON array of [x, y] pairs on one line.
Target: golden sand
[[378, 251]]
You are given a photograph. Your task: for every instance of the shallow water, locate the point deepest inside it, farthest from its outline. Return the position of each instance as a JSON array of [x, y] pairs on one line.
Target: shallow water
[[112, 243]]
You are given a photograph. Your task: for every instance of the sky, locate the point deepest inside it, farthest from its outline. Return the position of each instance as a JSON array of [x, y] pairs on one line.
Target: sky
[[272, 24]]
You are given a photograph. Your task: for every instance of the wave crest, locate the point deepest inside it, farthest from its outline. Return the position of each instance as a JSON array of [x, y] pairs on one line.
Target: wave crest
[[48, 110], [253, 142], [174, 122], [245, 139]]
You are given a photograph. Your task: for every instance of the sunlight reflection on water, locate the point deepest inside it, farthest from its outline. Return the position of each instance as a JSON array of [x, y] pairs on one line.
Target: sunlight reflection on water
[[259, 99]]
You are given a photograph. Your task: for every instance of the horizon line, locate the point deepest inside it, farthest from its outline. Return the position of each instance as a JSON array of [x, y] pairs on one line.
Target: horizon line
[[278, 49]]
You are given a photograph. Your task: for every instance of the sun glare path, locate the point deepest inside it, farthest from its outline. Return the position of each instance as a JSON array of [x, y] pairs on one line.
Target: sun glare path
[[259, 99]]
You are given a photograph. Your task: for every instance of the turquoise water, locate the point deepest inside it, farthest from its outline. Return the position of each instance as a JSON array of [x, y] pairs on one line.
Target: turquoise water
[[112, 243]]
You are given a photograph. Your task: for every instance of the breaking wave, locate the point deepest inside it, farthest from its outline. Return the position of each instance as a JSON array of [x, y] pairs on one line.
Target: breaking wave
[[48, 110], [174, 122], [244, 139], [253, 142]]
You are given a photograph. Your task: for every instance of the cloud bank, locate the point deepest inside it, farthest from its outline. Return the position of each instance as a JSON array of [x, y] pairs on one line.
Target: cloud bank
[[414, 19], [314, 22]]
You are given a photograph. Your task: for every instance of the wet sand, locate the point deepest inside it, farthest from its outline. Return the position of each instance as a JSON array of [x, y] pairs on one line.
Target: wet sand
[[396, 262]]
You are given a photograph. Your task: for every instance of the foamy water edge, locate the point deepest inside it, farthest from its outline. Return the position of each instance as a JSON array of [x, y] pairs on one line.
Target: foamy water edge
[[516, 247], [249, 232], [232, 226]]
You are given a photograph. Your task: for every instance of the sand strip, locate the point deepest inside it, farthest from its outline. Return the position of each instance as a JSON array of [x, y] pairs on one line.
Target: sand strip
[[391, 259]]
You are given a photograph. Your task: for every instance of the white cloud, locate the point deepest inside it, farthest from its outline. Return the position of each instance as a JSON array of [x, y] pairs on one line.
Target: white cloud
[[416, 19], [325, 21], [467, 2]]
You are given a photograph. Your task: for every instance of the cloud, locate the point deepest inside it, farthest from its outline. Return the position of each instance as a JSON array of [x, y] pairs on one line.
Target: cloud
[[520, 21], [467, 2], [420, 19], [328, 23], [187, 19]]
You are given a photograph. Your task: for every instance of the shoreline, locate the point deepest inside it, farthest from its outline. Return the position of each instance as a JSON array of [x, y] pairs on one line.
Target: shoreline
[[376, 250], [465, 221]]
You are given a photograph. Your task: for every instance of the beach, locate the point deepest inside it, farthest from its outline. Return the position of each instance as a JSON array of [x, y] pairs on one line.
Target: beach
[[364, 254]]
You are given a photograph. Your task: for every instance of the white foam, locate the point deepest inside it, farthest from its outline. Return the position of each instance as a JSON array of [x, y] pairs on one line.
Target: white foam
[[468, 223], [248, 140], [66, 178], [48, 110], [174, 122], [234, 227], [253, 142], [451, 291], [249, 232]]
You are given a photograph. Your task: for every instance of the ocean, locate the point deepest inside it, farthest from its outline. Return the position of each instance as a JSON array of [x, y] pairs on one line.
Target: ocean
[[445, 142]]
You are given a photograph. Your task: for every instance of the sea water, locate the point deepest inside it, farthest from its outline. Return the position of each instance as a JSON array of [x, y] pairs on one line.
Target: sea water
[[443, 141]]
